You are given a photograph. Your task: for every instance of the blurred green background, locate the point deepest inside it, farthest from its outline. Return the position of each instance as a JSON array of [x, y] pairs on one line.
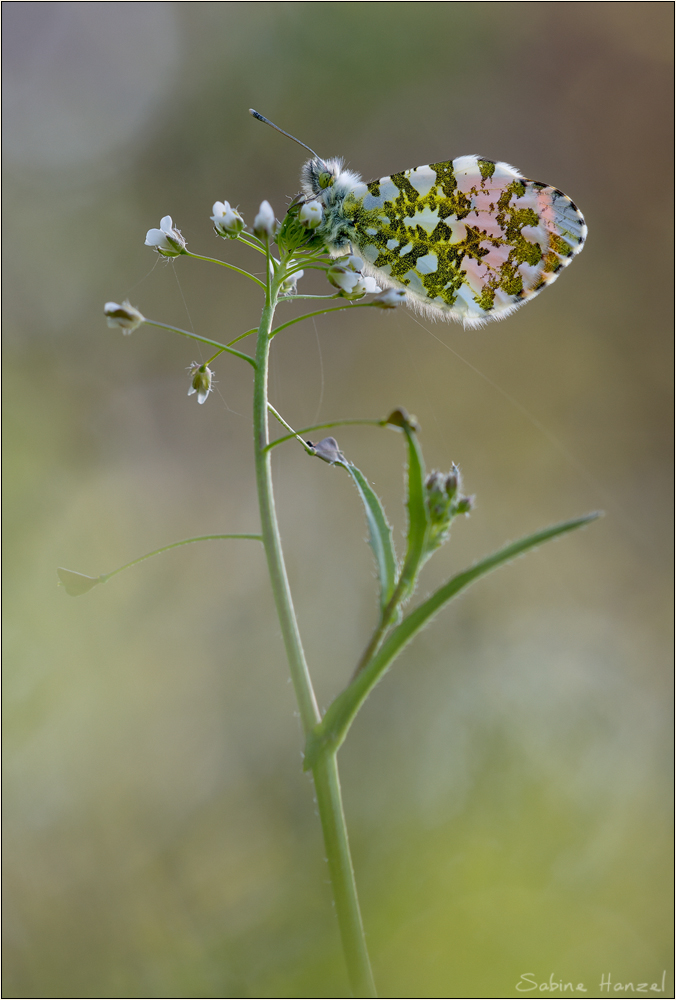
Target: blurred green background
[[507, 786]]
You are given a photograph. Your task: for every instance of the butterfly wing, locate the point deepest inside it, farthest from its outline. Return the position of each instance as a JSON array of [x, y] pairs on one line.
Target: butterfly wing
[[468, 239]]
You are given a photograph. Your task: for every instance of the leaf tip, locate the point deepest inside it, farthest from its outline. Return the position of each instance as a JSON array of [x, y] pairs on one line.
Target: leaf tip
[[74, 583]]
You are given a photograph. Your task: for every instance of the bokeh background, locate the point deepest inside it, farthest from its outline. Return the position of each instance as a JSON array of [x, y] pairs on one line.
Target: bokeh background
[[507, 786]]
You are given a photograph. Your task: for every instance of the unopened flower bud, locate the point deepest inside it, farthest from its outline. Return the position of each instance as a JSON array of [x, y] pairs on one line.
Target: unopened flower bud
[[390, 298], [227, 221], [264, 223], [444, 504], [125, 316], [464, 505], [400, 418], [453, 481], [166, 240], [311, 215], [327, 449], [200, 381]]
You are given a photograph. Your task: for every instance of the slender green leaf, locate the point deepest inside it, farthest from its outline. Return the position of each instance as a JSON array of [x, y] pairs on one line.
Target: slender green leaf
[[418, 517], [332, 730], [380, 535], [76, 584]]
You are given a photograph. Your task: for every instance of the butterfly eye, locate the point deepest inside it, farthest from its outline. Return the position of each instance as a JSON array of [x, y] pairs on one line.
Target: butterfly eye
[[325, 179]]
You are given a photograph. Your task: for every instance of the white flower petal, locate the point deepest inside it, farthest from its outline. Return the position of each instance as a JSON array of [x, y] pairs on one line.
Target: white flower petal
[[156, 238]]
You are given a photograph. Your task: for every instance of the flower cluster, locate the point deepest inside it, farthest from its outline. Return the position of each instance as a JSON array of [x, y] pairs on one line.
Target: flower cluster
[[299, 230], [442, 496]]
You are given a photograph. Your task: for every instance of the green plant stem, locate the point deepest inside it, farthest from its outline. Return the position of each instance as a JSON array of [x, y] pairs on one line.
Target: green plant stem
[[330, 807], [320, 427], [325, 770], [174, 545], [204, 340], [223, 263], [321, 312], [242, 336], [293, 434], [309, 712]]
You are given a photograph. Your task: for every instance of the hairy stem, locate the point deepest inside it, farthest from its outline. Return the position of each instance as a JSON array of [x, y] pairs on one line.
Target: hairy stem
[[330, 807], [325, 770]]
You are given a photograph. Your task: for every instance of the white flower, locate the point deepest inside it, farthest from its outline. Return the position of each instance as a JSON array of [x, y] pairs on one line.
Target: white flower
[[289, 286], [311, 214], [227, 221], [166, 240], [200, 381], [125, 316], [370, 285], [342, 278], [264, 223], [352, 263], [352, 284], [390, 298]]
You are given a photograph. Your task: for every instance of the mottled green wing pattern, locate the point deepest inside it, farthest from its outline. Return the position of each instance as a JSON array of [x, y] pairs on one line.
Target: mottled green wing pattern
[[468, 239]]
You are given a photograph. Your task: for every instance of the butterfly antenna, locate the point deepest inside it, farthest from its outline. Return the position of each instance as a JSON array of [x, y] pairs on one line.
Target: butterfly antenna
[[262, 118]]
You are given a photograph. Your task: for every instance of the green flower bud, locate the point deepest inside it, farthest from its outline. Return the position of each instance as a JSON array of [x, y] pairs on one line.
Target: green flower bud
[[200, 381], [443, 504]]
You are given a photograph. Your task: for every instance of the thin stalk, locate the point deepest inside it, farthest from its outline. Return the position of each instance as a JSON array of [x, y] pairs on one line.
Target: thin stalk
[[248, 241], [283, 422], [204, 340], [295, 298], [321, 312], [242, 336], [325, 771], [223, 263], [104, 577], [317, 427]]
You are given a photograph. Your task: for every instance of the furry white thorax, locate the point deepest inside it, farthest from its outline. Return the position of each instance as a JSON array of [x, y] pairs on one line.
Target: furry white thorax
[[327, 182]]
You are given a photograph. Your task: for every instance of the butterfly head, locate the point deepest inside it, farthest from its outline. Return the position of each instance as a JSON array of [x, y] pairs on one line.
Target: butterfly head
[[325, 179]]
